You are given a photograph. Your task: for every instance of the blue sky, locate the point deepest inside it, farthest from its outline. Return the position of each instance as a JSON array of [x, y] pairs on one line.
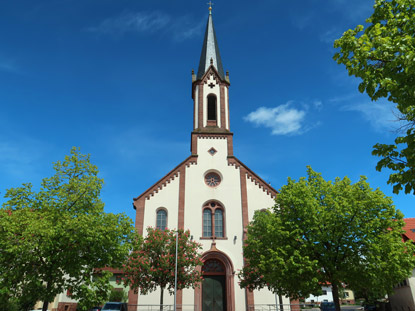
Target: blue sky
[[114, 78]]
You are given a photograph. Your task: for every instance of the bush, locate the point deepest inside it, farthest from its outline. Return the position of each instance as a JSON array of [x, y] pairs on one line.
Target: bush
[[118, 295]]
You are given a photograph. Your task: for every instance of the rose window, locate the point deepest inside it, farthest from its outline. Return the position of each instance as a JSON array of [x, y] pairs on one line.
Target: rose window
[[212, 179]]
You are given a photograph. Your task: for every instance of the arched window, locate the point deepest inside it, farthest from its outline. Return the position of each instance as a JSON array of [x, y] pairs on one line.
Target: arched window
[[161, 222], [213, 220], [212, 115]]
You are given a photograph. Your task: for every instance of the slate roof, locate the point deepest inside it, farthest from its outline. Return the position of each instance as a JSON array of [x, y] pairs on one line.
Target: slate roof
[[210, 50]]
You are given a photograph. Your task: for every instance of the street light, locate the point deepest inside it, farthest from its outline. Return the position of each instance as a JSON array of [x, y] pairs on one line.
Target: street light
[[175, 271]]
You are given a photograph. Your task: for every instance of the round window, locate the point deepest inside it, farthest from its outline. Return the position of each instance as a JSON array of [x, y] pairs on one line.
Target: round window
[[212, 179]]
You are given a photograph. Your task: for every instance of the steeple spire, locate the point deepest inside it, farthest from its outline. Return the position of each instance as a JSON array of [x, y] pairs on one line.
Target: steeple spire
[[210, 50], [210, 7]]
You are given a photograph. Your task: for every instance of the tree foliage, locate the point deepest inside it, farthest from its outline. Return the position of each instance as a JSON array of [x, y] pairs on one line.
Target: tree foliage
[[53, 239], [118, 296], [152, 264], [322, 232], [382, 55], [94, 292]]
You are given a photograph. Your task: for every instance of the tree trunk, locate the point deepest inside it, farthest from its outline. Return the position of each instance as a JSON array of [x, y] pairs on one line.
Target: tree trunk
[[46, 303], [335, 289], [161, 298], [45, 306], [281, 304]]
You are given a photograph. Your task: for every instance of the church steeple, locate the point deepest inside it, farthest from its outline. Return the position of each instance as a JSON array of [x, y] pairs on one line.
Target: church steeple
[[210, 51], [210, 93]]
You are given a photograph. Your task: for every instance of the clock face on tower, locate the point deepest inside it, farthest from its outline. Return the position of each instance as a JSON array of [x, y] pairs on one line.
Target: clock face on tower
[[212, 179]]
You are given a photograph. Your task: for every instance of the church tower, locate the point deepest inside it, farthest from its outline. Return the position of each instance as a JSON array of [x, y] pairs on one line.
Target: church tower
[[211, 193]]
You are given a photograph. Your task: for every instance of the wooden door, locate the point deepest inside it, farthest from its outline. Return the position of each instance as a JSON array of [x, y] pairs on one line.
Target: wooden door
[[214, 293]]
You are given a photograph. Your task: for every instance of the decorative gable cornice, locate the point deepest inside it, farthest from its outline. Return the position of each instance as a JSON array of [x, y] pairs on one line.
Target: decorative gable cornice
[[250, 175], [166, 179]]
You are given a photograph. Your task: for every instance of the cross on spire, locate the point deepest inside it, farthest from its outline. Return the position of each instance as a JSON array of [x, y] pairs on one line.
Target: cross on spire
[[210, 3]]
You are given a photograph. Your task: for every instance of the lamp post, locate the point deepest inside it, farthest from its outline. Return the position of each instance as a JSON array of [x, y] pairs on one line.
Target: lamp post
[[175, 271]]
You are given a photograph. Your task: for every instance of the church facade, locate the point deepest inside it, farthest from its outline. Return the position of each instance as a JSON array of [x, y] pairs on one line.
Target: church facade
[[212, 194]]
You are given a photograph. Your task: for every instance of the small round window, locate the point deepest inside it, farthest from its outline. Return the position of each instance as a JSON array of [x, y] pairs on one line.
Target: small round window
[[212, 179]]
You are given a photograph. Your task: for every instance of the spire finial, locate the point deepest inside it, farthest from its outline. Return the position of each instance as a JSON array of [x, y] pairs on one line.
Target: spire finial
[[210, 7]]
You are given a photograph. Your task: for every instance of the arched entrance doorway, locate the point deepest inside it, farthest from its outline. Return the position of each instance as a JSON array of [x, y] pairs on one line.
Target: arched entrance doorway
[[213, 286], [216, 292]]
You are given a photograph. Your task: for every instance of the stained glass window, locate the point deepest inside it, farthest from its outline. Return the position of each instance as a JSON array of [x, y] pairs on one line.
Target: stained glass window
[[213, 265]]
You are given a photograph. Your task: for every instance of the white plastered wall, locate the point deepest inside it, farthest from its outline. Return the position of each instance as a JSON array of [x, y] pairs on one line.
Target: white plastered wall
[[228, 193], [167, 197], [327, 297], [403, 297]]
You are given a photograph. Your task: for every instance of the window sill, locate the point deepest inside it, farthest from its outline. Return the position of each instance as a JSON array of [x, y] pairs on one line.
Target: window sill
[[211, 238]]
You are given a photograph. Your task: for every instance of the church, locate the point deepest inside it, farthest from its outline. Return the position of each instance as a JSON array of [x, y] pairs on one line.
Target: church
[[212, 194]]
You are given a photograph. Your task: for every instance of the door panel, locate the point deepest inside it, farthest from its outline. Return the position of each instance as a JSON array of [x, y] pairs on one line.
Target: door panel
[[213, 293]]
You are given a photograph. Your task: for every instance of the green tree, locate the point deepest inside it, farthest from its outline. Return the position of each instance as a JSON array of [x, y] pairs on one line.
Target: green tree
[[323, 232], [95, 292], [152, 264], [382, 55], [54, 238]]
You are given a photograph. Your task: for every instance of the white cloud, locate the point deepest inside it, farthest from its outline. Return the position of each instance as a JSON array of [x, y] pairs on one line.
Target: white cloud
[[303, 20], [283, 119], [180, 28], [142, 22], [184, 28], [318, 105], [381, 115]]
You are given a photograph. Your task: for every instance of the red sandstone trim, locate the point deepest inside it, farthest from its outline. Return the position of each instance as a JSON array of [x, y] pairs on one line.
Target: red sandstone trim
[[211, 123], [222, 107], [132, 300], [249, 295], [227, 105], [194, 109], [180, 225], [139, 206], [295, 304], [213, 135], [166, 179], [200, 105], [230, 274], [182, 186], [230, 145], [253, 177], [212, 71], [67, 306], [244, 198], [193, 144]]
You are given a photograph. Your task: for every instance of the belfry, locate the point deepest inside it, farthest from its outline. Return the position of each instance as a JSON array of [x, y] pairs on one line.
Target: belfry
[[211, 193]]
